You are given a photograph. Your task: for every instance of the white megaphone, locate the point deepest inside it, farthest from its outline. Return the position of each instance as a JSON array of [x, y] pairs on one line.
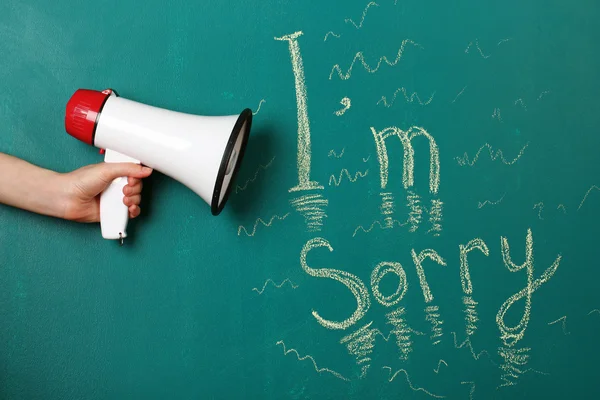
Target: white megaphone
[[203, 153]]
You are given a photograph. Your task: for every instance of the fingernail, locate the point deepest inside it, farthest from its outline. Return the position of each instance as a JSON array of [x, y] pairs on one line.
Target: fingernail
[[146, 169]]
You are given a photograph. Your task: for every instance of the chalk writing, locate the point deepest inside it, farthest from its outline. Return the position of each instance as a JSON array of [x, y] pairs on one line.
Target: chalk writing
[[312, 207], [364, 14], [437, 370], [392, 376], [260, 221], [330, 33], [459, 94], [564, 324], [337, 182], [286, 280], [470, 311], [360, 344], [332, 153], [309, 357], [401, 330], [594, 187], [347, 103], [516, 359], [464, 160], [490, 202], [408, 99], [359, 56], [478, 49], [253, 179], [259, 104], [431, 311], [352, 282]]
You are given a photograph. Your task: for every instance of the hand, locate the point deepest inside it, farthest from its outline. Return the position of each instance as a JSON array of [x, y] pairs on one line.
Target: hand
[[84, 186]]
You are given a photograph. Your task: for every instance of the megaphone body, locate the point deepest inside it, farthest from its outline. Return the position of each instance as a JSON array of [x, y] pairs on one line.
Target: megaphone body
[[202, 152]]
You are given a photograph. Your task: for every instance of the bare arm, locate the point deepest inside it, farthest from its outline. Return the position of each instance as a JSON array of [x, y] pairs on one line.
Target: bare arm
[[74, 195]]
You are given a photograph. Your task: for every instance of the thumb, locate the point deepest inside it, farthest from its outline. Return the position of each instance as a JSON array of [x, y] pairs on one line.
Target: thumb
[[110, 171]]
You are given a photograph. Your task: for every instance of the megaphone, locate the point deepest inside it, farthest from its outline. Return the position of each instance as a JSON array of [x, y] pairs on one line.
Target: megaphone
[[204, 153]]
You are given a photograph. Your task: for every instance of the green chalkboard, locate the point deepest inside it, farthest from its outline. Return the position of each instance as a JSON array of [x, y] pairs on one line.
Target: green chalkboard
[[416, 216]]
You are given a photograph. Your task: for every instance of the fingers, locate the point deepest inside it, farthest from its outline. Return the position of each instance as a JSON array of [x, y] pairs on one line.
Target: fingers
[[134, 211], [132, 200], [133, 187], [111, 171]]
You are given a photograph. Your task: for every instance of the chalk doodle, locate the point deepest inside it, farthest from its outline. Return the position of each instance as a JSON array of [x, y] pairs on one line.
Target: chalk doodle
[[594, 187], [332, 153], [337, 182], [595, 310], [540, 207], [478, 49], [364, 14], [437, 370], [472, 390], [409, 99], [360, 344], [470, 310], [564, 324], [314, 363], [253, 179], [260, 221], [496, 114], [360, 56], [562, 207], [366, 159], [382, 226], [544, 93], [286, 280], [347, 103], [521, 103], [352, 282], [490, 202], [459, 94], [330, 33], [516, 359], [259, 104], [392, 376], [464, 160], [503, 41], [467, 342]]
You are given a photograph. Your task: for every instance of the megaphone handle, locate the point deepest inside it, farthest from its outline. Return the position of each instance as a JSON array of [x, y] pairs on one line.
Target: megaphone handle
[[114, 215]]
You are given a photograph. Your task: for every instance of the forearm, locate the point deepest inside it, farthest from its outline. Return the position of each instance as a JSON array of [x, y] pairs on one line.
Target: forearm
[[32, 188]]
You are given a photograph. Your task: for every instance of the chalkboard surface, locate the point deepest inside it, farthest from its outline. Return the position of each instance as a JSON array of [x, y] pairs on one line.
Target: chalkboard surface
[[417, 214]]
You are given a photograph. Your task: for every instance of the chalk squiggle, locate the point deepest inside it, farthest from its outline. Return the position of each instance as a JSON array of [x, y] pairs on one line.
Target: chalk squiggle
[[464, 160], [364, 14], [409, 99], [410, 383], [332, 34], [493, 203], [367, 67], [586, 195], [338, 181], [332, 153], [478, 48], [540, 207], [251, 180], [437, 370], [472, 391], [564, 324], [274, 284], [381, 225], [259, 104], [521, 103], [458, 95], [562, 206], [545, 92], [503, 41], [259, 220], [319, 370], [347, 103], [469, 345], [366, 159]]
